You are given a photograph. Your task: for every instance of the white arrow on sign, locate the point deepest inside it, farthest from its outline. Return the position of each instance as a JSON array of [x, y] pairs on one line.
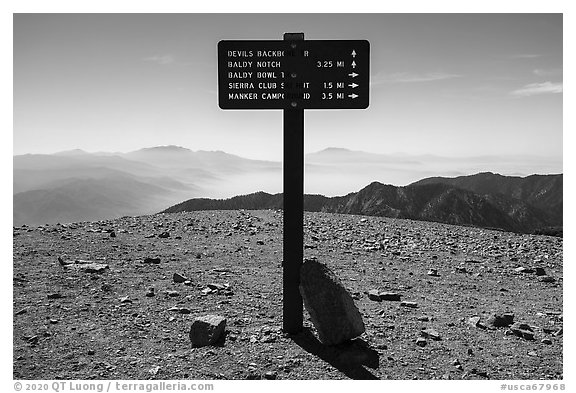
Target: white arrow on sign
[[353, 64], [353, 75], [352, 95], [353, 85], [353, 53]]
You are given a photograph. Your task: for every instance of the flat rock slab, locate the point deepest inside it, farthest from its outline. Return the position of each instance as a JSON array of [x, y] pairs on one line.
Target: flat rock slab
[[330, 305], [93, 267], [207, 330]]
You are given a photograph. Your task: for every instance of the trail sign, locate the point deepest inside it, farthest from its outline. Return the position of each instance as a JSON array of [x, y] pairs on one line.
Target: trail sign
[[293, 75], [316, 74]]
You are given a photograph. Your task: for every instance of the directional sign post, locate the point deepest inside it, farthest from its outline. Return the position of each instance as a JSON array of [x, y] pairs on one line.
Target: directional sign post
[[293, 75]]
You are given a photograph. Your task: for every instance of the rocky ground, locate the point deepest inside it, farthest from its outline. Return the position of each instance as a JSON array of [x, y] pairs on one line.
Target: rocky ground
[[99, 300]]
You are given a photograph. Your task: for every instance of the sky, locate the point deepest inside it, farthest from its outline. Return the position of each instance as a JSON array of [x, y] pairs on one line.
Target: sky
[[442, 84]]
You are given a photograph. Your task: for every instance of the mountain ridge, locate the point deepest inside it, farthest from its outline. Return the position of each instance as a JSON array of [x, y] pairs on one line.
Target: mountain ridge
[[428, 200]]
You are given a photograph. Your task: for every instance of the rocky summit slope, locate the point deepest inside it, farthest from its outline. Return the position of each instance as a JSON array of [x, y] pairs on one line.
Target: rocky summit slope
[[100, 300]]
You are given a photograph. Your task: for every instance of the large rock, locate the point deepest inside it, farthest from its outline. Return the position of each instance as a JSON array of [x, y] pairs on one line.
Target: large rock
[[330, 305], [207, 330]]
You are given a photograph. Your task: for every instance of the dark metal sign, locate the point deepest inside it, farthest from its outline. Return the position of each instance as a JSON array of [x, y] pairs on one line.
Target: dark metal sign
[[315, 74]]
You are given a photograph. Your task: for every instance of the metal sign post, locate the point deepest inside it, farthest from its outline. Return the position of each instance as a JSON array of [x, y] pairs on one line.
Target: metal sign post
[[293, 186], [293, 75]]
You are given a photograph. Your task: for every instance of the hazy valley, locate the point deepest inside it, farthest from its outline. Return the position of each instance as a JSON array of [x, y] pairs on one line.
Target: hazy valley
[[78, 186]]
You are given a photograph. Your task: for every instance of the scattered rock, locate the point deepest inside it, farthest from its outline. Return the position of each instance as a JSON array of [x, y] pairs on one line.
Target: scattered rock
[[91, 352], [546, 341], [546, 279], [461, 269], [207, 330], [533, 354], [270, 375], [390, 296], [423, 318], [408, 304], [431, 333], [62, 262], [421, 342], [112, 234], [164, 235], [178, 278], [559, 332], [217, 287], [329, 304], [23, 311], [173, 293], [540, 271], [522, 269], [475, 321], [152, 260], [125, 299], [501, 320], [522, 330], [150, 292], [373, 294], [433, 273], [55, 296], [94, 268]]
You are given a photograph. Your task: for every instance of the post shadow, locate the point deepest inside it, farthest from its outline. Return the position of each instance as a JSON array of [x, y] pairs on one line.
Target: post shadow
[[349, 358]]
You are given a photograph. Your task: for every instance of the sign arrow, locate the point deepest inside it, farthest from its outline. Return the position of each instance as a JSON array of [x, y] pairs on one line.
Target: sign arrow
[[353, 85], [353, 53], [353, 75], [353, 64], [352, 95]]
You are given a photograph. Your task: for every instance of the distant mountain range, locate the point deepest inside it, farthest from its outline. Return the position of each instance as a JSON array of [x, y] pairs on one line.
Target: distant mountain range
[[530, 204], [76, 185], [79, 186]]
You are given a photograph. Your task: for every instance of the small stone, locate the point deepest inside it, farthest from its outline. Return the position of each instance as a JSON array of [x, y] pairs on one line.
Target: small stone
[[91, 352], [373, 294], [260, 242], [207, 330], [164, 235], [424, 318], [125, 299], [55, 296], [270, 375], [389, 296], [178, 278], [217, 287], [533, 354], [420, 341], [501, 320], [522, 330], [409, 304], [461, 269], [154, 370], [431, 333], [546, 341], [474, 321], [112, 234], [150, 292], [188, 283], [522, 269], [173, 293], [94, 268], [540, 271], [152, 260], [559, 332], [53, 321], [546, 279], [433, 273], [23, 311], [456, 362]]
